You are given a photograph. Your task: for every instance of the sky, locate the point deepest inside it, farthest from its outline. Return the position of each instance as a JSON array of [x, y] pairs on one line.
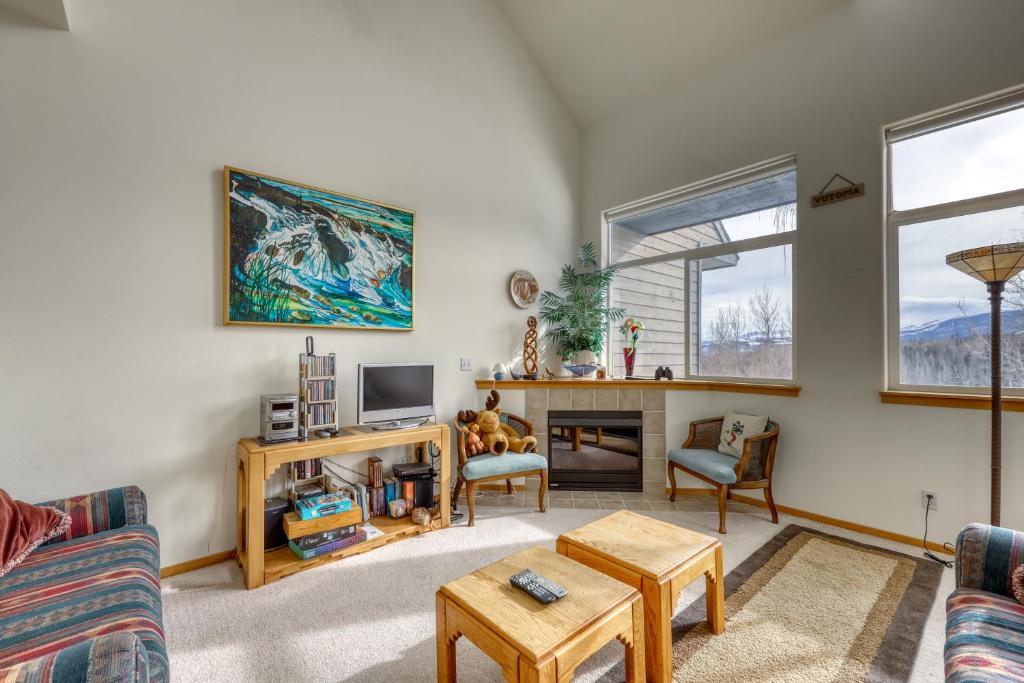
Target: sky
[[971, 160], [735, 285]]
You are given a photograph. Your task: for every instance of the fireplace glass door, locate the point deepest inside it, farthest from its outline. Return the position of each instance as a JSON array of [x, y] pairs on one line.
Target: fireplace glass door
[[595, 449]]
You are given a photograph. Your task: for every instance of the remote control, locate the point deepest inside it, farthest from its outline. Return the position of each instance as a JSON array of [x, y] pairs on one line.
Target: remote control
[[551, 586], [537, 587]]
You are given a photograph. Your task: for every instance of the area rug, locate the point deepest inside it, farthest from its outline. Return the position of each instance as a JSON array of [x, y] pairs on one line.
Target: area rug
[[809, 606]]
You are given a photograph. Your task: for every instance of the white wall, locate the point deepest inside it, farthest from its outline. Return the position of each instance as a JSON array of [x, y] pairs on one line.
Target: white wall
[[824, 92], [114, 365]]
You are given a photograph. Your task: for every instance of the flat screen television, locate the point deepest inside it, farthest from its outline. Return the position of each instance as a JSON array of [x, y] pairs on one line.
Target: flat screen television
[[395, 395]]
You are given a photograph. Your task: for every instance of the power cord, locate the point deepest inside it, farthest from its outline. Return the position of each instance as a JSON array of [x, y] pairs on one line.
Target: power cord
[[928, 553], [434, 453]]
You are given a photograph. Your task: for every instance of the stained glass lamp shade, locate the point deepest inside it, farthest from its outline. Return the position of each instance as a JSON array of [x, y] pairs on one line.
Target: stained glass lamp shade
[[993, 265], [996, 263]]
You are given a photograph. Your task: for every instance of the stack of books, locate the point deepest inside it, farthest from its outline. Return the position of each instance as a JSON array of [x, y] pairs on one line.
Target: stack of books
[[308, 469], [374, 498], [327, 540], [324, 542]]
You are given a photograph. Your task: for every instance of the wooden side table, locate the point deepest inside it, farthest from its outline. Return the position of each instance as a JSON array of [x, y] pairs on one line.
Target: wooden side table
[[659, 559], [532, 641]]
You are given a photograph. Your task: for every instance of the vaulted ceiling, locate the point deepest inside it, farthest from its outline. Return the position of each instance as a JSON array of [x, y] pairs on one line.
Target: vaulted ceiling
[[601, 55], [45, 12]]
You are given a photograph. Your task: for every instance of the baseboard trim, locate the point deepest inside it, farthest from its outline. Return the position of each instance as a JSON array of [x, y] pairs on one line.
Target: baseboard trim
[[843, 524], [697, 491], [198, 563], [813, 516]]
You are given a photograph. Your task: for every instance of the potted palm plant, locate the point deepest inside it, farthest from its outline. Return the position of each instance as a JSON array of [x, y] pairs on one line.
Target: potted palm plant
[[578, 318]]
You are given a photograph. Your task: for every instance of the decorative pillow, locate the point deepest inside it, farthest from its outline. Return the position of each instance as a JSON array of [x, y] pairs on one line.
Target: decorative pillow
[[23, 527], [1018, 584], [736, 428]]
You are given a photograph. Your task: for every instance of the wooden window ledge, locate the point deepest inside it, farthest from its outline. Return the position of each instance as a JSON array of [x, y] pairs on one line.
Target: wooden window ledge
[[665, 384], [970, 401]]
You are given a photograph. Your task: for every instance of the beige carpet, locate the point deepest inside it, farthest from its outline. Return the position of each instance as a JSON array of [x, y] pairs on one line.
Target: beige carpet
[[371, 617], [810, 607]]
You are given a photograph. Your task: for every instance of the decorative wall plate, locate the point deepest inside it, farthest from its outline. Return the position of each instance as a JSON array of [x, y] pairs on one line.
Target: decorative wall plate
[[524, 288]]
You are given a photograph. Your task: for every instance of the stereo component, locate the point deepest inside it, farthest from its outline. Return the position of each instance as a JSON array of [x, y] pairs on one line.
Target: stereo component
[[279, 417]]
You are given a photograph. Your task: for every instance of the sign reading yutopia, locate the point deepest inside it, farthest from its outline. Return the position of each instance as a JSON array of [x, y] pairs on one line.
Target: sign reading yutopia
[[837, 195]]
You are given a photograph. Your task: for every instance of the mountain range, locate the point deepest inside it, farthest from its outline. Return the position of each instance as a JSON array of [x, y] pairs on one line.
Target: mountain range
[[1012, 321]]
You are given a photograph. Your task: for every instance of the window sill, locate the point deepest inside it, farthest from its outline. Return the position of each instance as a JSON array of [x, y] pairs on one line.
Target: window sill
[[665, 384], [970, 401]]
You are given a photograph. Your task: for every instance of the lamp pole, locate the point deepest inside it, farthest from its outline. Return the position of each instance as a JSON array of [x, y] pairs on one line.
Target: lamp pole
[[993, 265], [995, 297]]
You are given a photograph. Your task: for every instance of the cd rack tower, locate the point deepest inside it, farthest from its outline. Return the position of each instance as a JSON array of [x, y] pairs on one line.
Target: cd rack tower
[[318, 394]]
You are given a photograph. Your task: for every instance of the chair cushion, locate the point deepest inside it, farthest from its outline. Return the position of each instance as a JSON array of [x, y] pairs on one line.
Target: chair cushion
[[707, 461], [984, 637], [490, 465], [71, 592]]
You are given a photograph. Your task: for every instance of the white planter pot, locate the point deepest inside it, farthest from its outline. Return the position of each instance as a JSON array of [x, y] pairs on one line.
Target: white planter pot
[[585, 358]]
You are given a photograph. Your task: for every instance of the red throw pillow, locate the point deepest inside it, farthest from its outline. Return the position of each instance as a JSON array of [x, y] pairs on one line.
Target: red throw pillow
[[23, 527], [1018, 584]]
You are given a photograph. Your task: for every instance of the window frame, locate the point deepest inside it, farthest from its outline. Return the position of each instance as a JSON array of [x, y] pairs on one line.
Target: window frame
[[894, 220], [688, 257]]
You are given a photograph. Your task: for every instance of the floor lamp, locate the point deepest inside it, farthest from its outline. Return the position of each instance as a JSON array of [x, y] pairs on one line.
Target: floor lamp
[[993, 265]]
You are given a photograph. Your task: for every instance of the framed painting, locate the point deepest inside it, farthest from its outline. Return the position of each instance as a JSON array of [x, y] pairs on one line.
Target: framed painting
[[300, 255]]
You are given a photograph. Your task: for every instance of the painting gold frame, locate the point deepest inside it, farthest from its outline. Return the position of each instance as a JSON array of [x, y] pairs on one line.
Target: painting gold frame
[[228, 170]]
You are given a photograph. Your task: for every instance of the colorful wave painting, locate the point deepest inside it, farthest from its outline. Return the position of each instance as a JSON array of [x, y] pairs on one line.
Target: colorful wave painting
[[303, 256]]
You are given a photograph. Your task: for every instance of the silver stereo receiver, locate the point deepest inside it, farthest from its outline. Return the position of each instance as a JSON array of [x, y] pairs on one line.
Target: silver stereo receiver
[[279, 417]]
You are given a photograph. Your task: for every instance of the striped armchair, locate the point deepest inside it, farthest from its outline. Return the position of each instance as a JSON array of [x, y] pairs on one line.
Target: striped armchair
[[984, 623], [86, 606]]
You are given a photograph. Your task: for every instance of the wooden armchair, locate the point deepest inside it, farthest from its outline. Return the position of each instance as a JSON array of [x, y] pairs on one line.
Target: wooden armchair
[[478, 469], [699, 457]]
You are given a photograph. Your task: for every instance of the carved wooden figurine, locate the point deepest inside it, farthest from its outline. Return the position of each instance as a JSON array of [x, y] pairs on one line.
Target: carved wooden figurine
[[530, 366]]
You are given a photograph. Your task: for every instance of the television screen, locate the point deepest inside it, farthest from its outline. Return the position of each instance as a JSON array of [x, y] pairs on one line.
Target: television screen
[[396, 391]]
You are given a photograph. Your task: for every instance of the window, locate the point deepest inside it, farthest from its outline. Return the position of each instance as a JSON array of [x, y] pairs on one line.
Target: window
[[955, 181], [709, 270]]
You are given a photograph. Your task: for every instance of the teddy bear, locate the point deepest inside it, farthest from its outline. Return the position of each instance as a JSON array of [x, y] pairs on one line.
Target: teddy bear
[[494, 437], [486, 428], [474, 444]]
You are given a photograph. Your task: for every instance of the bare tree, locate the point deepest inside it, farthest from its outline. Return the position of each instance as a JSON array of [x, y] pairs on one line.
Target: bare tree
[[729, 325], [766, 313], [1013, 293], [786, 329], [979, 344]]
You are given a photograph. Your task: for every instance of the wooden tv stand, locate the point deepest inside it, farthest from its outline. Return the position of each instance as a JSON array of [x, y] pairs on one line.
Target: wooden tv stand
[[257, 462]]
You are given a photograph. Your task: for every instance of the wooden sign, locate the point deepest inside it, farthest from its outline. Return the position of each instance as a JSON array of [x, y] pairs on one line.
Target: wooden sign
[[827, 196]]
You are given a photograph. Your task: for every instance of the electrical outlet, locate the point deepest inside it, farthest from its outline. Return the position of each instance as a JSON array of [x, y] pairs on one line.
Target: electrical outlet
[[466, 364], [933, 504]]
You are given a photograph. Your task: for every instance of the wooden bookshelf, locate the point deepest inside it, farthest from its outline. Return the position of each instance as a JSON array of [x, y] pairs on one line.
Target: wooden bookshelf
[[257, 462]]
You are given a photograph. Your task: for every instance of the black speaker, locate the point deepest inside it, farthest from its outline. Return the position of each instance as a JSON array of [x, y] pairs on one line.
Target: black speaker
[[423, 493], [273, 523]]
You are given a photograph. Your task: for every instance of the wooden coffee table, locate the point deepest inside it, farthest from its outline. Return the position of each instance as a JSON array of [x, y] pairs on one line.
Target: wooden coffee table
[[532, 641], [660, 559]]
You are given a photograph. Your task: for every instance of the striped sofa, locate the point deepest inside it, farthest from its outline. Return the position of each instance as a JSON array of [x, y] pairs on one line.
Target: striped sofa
[[86, 606], [984, 623]]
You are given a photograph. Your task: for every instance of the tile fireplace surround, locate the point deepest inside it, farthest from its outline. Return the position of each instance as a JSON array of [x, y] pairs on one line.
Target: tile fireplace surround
[[650, 401]]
